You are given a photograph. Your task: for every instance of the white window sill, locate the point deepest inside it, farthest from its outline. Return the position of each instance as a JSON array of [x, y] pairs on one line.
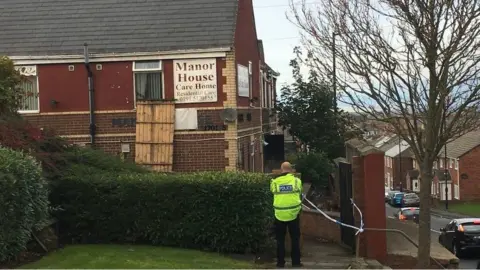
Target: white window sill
[[29, 112]]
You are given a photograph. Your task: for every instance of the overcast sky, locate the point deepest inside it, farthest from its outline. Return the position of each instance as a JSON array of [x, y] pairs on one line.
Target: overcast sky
[[279, 35]]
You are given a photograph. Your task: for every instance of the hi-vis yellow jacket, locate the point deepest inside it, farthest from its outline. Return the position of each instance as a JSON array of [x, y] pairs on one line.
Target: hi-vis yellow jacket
[[287, 196]]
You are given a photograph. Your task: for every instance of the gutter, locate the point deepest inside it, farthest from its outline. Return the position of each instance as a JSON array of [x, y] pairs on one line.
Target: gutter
[[91, 96], [130, 56]]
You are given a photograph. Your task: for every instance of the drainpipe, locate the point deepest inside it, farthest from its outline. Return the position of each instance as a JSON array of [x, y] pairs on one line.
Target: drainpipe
[[91, 97]]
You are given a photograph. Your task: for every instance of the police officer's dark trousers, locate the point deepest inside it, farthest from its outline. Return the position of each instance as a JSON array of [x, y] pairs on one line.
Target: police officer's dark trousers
[[294, 231]]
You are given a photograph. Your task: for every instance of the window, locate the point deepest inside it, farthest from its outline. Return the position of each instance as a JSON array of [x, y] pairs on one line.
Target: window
[[457, 191], [148, 80], [441, 163], [264, 90], [456, 164], [451, 163], [270, 94], [250, 79], [29, 87], [29, 101], [434, 164]]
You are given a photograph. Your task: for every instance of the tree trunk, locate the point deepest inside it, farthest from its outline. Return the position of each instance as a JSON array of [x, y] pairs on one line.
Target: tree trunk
[[424, 233]]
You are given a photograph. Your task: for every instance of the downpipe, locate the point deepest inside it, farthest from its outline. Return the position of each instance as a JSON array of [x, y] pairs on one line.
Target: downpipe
[[91, 97]]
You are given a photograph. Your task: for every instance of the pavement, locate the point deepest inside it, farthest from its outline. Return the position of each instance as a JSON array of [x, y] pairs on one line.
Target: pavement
[[438, 220], [321, 254]]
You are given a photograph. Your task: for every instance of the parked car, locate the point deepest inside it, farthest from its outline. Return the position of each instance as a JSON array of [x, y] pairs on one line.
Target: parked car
[[461, 236], [408, 213], [390, 195], [387, 191], [411, 199], [397, 199]]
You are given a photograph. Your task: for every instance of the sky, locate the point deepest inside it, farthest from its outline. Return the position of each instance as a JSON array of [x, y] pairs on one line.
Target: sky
[[279, 36]]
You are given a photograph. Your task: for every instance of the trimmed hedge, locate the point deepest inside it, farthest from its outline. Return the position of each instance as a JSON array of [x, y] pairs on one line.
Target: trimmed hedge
[[217, 211], [23, 201], [98, 160]]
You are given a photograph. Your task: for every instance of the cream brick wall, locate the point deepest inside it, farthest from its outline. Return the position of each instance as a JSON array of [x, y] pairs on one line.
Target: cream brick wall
[[230, 89]]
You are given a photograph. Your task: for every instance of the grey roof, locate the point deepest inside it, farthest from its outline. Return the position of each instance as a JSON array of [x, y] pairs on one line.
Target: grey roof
[[59, 27], [462, 145], [390, 143]]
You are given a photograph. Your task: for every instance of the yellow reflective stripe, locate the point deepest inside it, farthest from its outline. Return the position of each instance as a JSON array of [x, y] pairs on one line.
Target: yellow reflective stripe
[[286, 192], [287, 207]]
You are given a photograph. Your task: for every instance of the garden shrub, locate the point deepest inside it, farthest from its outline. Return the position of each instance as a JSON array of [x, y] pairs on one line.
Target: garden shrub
[[24, 203], [217, 211], [85, 158], [315, 167]]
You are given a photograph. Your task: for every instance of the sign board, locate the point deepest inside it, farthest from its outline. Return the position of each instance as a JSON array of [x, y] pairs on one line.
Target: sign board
[[195, 80], [243, 82]]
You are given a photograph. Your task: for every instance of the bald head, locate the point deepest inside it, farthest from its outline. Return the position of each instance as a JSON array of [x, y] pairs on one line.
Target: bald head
[[286, 167]]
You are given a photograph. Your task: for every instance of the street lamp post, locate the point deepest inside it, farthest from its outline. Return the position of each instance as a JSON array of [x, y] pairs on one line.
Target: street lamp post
[[400, 162], [334, 71], [446, 165]]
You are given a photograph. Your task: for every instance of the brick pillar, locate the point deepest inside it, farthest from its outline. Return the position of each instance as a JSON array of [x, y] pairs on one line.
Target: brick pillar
[[369, 192]]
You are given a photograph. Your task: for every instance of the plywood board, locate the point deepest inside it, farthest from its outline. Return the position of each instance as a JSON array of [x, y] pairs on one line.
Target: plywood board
[[154, 135]]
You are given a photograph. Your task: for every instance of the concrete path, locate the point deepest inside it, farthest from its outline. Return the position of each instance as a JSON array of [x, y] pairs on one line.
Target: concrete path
[[318, 254]]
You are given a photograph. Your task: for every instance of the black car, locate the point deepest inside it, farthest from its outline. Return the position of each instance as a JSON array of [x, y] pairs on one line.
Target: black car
[[461, 236], [408, 213]]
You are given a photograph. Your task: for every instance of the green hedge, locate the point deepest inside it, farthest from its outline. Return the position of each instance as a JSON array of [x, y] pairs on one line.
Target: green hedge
[[23, 201], [226, 212]]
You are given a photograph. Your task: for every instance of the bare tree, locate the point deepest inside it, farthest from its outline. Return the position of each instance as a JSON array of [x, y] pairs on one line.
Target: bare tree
[[410, 63]]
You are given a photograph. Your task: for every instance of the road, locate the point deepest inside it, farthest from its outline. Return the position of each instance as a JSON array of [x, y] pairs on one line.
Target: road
[[437, 223]]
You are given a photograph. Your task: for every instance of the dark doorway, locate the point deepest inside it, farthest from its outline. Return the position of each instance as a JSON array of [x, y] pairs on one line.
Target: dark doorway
[[346, 207], [273, 151]]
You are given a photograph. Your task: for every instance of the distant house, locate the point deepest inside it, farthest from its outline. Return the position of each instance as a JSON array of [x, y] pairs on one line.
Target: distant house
[[402, 163], [463, 170]]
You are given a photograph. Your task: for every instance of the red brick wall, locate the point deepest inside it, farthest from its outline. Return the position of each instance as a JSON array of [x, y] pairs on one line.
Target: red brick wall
[[111, 145], [78, 124], [314, 225], [399, 176], [246, 47], [113, 87], [369, 194], [468, 164], [199, 152], [249, 162], [388, 169], [255, 118]]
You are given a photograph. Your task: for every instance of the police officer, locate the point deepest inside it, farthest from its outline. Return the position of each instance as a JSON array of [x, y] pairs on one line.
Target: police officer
[[287, 202]]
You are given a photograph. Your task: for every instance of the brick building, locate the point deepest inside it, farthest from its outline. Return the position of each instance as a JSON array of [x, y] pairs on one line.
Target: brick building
[[463, 168], [203, 54], [397, 157], [401, 158]]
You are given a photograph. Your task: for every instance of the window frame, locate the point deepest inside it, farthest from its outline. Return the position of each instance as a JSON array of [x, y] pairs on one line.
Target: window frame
[[250, 79], [29, 71], [441, 162], [456, 164], [38, 96], [451, 163], [135, 71]]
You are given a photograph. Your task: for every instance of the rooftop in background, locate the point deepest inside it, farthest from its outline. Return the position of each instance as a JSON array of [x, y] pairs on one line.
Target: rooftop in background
[[462, 145], [61, 27]]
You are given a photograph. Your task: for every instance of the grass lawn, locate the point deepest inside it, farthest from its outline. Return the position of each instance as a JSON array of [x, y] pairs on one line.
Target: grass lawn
[[133, 257], [471, 209]]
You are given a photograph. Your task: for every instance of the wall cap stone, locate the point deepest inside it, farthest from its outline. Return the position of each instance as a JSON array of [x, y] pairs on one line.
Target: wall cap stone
[[315, 212]]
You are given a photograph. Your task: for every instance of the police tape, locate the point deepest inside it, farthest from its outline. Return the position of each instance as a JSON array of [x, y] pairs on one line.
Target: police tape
[[359, 230]]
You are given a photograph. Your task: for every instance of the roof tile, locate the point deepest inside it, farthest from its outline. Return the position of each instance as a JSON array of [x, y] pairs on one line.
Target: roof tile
[[55, 27]]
